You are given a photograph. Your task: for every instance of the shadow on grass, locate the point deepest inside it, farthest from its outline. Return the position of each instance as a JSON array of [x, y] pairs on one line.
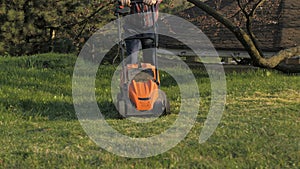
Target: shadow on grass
[[56, 110]]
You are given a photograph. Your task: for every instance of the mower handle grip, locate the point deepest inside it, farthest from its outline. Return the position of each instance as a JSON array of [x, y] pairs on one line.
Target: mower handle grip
[[134, 1]]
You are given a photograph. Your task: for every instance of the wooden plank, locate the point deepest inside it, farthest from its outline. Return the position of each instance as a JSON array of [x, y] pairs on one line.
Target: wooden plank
[[221, 53], [293, 61]]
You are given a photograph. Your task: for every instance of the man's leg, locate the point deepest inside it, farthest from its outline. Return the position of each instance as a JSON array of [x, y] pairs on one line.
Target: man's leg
[[132, 49], [148, 46]]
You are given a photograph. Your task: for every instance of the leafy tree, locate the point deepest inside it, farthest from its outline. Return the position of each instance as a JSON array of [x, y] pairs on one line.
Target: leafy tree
[[29, 26], [248, 38]]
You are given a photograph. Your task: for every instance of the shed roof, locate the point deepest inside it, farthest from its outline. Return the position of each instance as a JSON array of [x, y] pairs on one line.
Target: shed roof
[[276, 25]]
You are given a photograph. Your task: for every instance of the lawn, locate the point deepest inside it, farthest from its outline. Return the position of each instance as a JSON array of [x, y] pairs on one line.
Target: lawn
[[39, 128]]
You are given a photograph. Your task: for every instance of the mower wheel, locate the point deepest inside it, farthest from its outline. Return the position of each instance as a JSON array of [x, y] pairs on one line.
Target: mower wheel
[[161, 107], [122, 107], [167, 107], [158, 108]]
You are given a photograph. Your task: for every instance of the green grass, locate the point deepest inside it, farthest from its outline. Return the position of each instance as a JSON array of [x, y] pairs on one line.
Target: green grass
[[39, 129]]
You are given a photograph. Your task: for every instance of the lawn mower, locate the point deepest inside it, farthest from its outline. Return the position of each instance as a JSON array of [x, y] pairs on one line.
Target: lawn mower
[[140, 94]]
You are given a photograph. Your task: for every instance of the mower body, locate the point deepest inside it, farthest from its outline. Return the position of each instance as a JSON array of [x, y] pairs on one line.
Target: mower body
[[140, 94], [143, 87]]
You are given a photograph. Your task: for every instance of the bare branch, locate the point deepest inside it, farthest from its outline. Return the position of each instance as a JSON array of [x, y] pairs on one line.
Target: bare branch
[[249, 24], [240, 34], [258, 4], [282, 55], [247, 39], [85, 20], [249, 19], [243, 8]]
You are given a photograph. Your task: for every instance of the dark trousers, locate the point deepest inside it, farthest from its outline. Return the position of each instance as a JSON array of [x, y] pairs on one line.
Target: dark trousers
[[134, 44]]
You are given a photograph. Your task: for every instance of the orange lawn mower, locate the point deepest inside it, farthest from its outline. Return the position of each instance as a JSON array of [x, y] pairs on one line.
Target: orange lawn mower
[[140, 94]]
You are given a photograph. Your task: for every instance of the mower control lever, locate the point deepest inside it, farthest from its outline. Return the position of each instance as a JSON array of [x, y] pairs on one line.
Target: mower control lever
[[125, 10], [122, 10]]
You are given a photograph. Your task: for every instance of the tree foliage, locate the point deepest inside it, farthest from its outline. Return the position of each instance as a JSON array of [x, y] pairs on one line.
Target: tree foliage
[[29, 26]]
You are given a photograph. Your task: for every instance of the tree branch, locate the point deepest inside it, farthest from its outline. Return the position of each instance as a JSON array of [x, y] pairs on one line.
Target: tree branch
[[249, 19], [239, 33], [258, 4], [273, 61], [249, 25], [243, 8], [246, 39], [85, 19]]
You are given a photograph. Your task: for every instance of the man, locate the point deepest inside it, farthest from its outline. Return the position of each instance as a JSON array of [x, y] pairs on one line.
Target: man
[[140, 26]]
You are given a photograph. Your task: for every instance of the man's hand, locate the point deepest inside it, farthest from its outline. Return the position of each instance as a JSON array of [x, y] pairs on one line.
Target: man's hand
[[150, 2], [125, 3]]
